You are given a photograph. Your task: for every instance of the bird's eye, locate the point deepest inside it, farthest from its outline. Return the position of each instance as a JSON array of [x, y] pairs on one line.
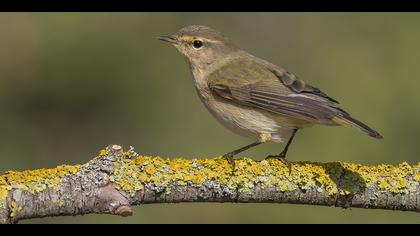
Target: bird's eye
[[197, 44]]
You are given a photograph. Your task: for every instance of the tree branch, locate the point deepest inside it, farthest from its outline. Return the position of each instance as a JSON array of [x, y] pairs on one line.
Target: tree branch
[[116, 179]]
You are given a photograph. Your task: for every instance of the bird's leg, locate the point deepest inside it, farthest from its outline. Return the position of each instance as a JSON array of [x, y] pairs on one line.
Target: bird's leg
[[282, 155], [229, 156]]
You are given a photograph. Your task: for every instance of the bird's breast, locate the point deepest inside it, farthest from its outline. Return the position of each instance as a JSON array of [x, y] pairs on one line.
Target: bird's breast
[[245, 121]]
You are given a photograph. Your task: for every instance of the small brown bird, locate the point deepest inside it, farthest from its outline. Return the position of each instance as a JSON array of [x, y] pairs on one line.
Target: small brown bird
[[253, 97]]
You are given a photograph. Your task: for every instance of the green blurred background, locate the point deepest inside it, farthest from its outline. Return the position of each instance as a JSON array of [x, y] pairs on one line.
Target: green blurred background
[[71, 84]]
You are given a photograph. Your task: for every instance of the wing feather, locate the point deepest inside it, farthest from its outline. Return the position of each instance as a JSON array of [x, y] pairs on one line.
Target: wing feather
[[241, 83]]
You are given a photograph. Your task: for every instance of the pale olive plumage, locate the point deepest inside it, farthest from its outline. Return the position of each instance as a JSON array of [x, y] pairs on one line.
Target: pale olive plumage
[[251, 96]]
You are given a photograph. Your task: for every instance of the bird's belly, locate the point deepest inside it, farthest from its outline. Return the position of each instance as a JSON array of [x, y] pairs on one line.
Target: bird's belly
[[249, 122]]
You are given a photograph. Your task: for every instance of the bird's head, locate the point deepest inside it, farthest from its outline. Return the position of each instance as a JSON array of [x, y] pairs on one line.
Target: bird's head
[[201, 45]]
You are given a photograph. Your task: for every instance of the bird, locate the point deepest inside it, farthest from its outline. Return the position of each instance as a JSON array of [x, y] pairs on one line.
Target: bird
[[252, 97]]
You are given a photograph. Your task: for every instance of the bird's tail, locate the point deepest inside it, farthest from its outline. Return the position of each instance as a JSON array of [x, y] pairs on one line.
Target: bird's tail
[[346, 119]]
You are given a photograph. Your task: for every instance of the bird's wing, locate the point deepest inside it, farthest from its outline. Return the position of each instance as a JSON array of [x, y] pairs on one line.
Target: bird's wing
[[252, 83]]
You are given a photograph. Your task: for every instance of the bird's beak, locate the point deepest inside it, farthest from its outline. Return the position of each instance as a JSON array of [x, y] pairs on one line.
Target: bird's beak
[[170, 39]]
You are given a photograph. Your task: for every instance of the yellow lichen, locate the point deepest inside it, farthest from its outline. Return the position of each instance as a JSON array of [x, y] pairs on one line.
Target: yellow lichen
[[417, 177], [38, 180], [14, 209], [4, 191], [248, 173], [32, 181], [386, 177], [345, 178], [103, 152]]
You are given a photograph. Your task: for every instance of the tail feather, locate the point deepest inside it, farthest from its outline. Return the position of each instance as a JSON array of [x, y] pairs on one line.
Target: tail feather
[[346, 119]]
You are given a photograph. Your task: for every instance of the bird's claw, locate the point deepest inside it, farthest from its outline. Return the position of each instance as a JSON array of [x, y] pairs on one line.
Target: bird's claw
[[229, 158]]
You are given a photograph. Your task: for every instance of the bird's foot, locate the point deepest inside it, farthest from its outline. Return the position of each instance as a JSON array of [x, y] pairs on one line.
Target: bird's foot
[[229, 158], [281, 157]]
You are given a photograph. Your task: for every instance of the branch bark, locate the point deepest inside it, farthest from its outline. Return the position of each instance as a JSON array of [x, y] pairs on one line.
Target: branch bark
[[116, 179]]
